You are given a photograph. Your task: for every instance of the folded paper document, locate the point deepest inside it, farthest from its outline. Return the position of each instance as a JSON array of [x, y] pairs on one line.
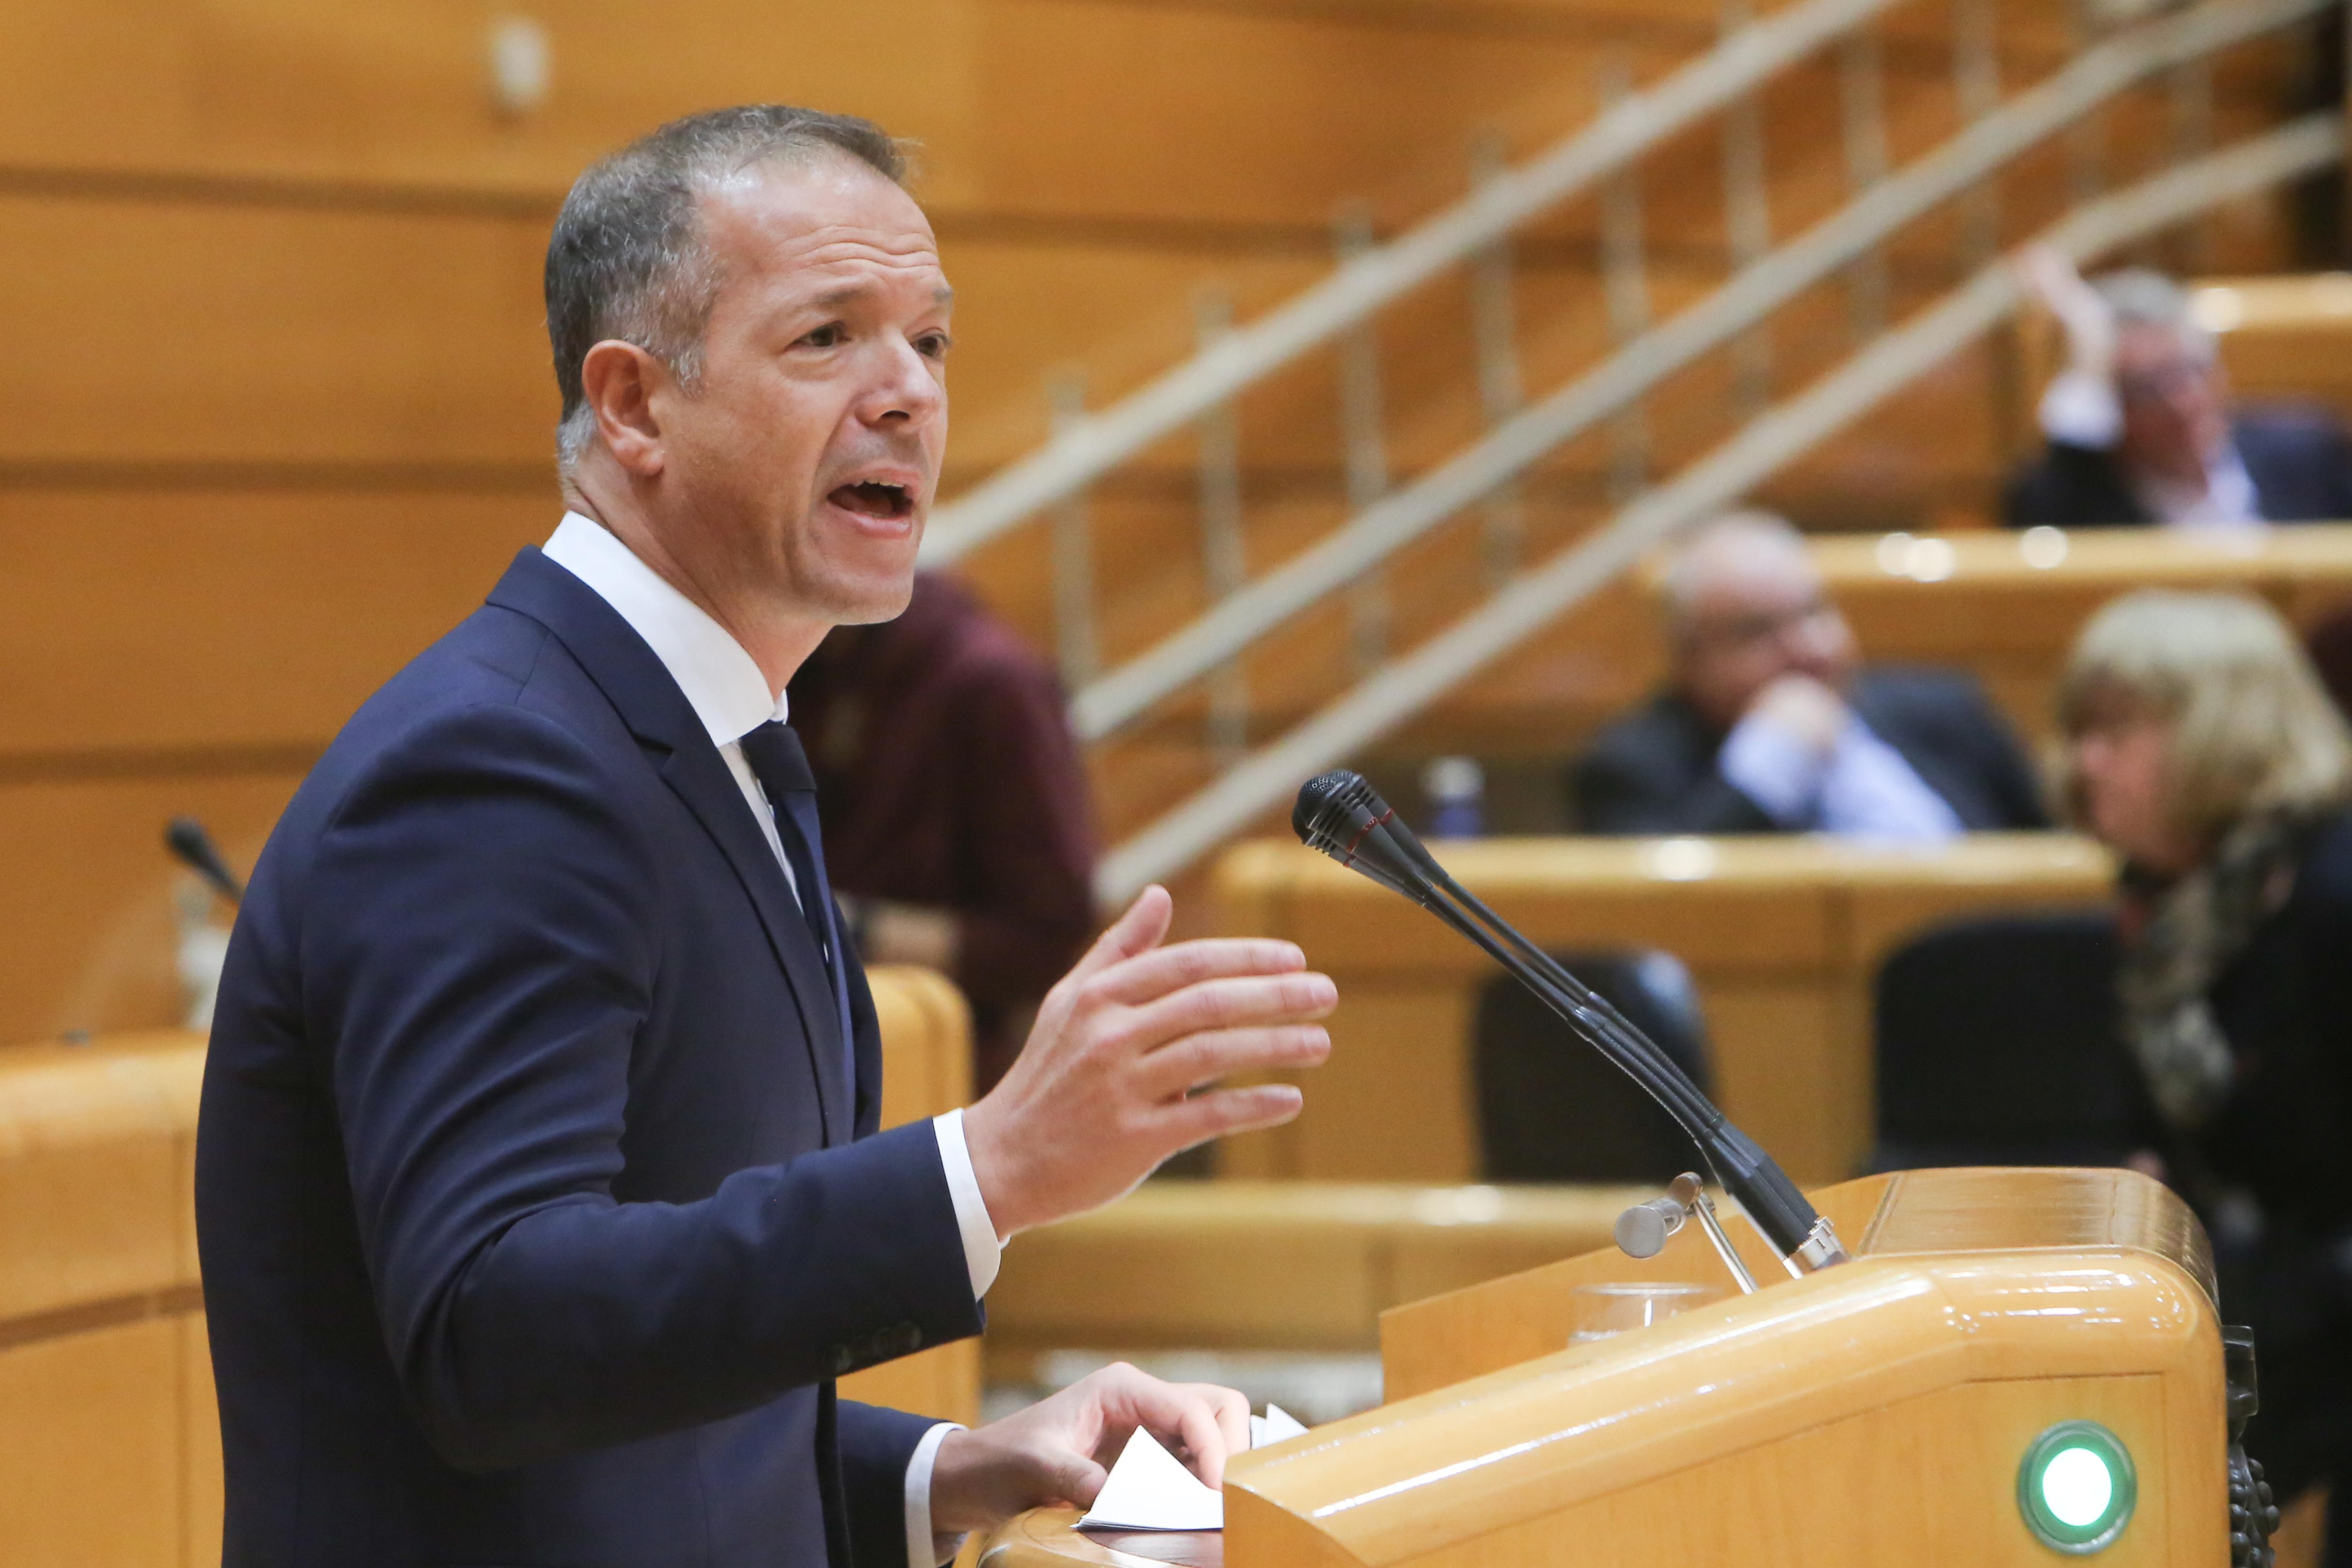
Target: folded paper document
[[1149, 1488]]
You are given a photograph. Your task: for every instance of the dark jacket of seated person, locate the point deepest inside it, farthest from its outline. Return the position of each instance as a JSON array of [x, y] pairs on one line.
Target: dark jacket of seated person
[[2296, 459], [1658, 770], [1768, 723], [2140, 426]]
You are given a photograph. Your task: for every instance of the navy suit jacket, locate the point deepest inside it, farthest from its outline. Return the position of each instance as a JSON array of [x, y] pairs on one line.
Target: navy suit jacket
[[1653, 770], [536, 1219], [2298, 459]]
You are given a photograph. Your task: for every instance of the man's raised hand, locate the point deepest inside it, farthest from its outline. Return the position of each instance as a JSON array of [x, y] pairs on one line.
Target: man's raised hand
[[1103, 1091]]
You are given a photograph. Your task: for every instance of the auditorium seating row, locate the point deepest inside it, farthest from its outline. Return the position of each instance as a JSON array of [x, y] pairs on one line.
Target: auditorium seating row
[[1782, 935]]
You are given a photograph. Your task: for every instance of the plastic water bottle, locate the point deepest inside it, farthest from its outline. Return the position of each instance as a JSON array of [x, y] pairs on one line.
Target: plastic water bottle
[[1456, 788]]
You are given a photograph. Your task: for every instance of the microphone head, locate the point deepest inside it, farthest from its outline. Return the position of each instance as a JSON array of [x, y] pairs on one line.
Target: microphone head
[[186, 838], [1326, 817], [1344, 817]]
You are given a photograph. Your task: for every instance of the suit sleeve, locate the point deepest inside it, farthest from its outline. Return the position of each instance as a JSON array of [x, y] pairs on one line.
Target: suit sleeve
[[481, 938], [877, 1444], [2071, 487], [1618, 791]]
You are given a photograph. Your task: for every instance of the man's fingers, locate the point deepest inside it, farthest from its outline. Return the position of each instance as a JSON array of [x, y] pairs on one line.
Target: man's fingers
[[1231, 1411], [1206, 1438], [1137, 930], [1149, 976], [1194, 1413], [1076, 1479], [1236, 1002], [1247, 1109], [1196, 1059]]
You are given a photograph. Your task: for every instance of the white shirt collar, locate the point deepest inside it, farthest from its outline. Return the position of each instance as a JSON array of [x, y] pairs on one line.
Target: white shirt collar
[[722, 681]]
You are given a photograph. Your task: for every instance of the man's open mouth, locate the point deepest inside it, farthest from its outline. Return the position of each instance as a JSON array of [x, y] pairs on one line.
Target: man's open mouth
[[874, 497]]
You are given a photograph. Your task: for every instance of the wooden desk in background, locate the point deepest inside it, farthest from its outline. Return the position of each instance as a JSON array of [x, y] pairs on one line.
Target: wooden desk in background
[[1783, 936], [2007, 607], [106, 1418]]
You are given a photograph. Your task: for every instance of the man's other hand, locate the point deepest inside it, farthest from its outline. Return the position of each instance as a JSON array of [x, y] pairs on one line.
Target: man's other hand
[[1104, 1090], [2086, 318], [1060, 1450], [1805, 708]]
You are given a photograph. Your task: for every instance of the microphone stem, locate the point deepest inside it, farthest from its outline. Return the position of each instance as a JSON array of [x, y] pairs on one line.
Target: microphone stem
[[1777, 1206], [1674, 1092]]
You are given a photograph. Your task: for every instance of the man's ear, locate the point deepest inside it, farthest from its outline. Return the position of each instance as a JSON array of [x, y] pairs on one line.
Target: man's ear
[[618, 380]]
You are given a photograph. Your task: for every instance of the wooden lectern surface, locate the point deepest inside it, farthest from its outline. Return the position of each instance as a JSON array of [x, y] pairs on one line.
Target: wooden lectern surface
[[1870, 1414]]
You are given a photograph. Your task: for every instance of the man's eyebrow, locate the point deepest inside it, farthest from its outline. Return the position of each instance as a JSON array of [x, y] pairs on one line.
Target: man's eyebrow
[[833, 299]]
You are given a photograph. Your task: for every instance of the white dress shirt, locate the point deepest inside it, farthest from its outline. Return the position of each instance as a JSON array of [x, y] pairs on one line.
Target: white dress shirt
[[730, 697], [2084, 410], [1861, 788]]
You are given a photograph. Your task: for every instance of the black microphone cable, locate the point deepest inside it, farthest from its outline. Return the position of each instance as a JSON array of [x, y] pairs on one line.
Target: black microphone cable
[[1341, 815]]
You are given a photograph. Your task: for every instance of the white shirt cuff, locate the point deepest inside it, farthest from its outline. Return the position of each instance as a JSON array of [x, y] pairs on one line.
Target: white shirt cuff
[[981, 1250], [923, 1548], [2081, 410], [1773, 768]]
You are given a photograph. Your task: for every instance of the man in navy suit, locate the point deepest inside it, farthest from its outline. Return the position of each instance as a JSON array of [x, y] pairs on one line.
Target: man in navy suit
[[2139, 424], [539, 1189]]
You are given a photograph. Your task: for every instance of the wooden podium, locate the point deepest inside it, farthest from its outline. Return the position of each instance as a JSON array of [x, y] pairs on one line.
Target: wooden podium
[[2007, 1349]]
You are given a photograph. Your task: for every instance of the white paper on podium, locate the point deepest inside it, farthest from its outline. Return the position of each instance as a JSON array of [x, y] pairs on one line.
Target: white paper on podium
[[1149, 1488], [1276, 1425]]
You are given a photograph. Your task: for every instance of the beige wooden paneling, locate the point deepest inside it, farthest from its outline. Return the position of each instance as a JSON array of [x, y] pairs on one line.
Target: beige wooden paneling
[[201, 1484], [90, 1184], [186, 333], [96, 1477], [189, 620], [992, 89]]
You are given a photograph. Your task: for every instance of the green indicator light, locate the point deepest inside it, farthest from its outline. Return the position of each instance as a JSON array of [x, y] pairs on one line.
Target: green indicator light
[[2077, 1487]]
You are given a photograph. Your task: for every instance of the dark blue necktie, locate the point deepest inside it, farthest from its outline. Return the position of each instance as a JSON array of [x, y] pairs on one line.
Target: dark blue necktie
[[782, 769]]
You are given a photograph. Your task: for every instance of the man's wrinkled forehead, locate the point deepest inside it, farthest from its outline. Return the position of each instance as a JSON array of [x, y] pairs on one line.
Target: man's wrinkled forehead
[[829, 220]]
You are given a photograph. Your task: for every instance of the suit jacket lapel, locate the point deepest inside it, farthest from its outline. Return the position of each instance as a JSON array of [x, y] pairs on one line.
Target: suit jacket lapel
[[657, 713], [1890, 721]]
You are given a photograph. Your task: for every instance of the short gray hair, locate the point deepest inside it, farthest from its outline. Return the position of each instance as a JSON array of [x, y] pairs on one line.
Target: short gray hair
[[2142, 296], [1696, 560], [626, 259]]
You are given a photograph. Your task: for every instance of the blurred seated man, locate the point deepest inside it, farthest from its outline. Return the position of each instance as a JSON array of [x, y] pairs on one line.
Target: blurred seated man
[[1767, 726], [2141, 428], [955, 805]]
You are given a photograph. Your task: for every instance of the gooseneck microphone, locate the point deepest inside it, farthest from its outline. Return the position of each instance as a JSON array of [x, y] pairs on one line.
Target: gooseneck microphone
[[194, 847], [1341, 815]]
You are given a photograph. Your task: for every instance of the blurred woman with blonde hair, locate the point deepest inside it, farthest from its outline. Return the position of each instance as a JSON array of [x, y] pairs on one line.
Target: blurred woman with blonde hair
[[2201, 748]]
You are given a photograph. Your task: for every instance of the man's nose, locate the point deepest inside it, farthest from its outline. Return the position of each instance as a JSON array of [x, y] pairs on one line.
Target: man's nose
[[906, 388]]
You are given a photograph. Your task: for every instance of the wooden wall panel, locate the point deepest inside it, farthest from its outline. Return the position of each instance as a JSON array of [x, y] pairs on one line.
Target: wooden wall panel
[[97, 1481], [177, 619], [186, 333], [201, 1486], [275, 90]]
